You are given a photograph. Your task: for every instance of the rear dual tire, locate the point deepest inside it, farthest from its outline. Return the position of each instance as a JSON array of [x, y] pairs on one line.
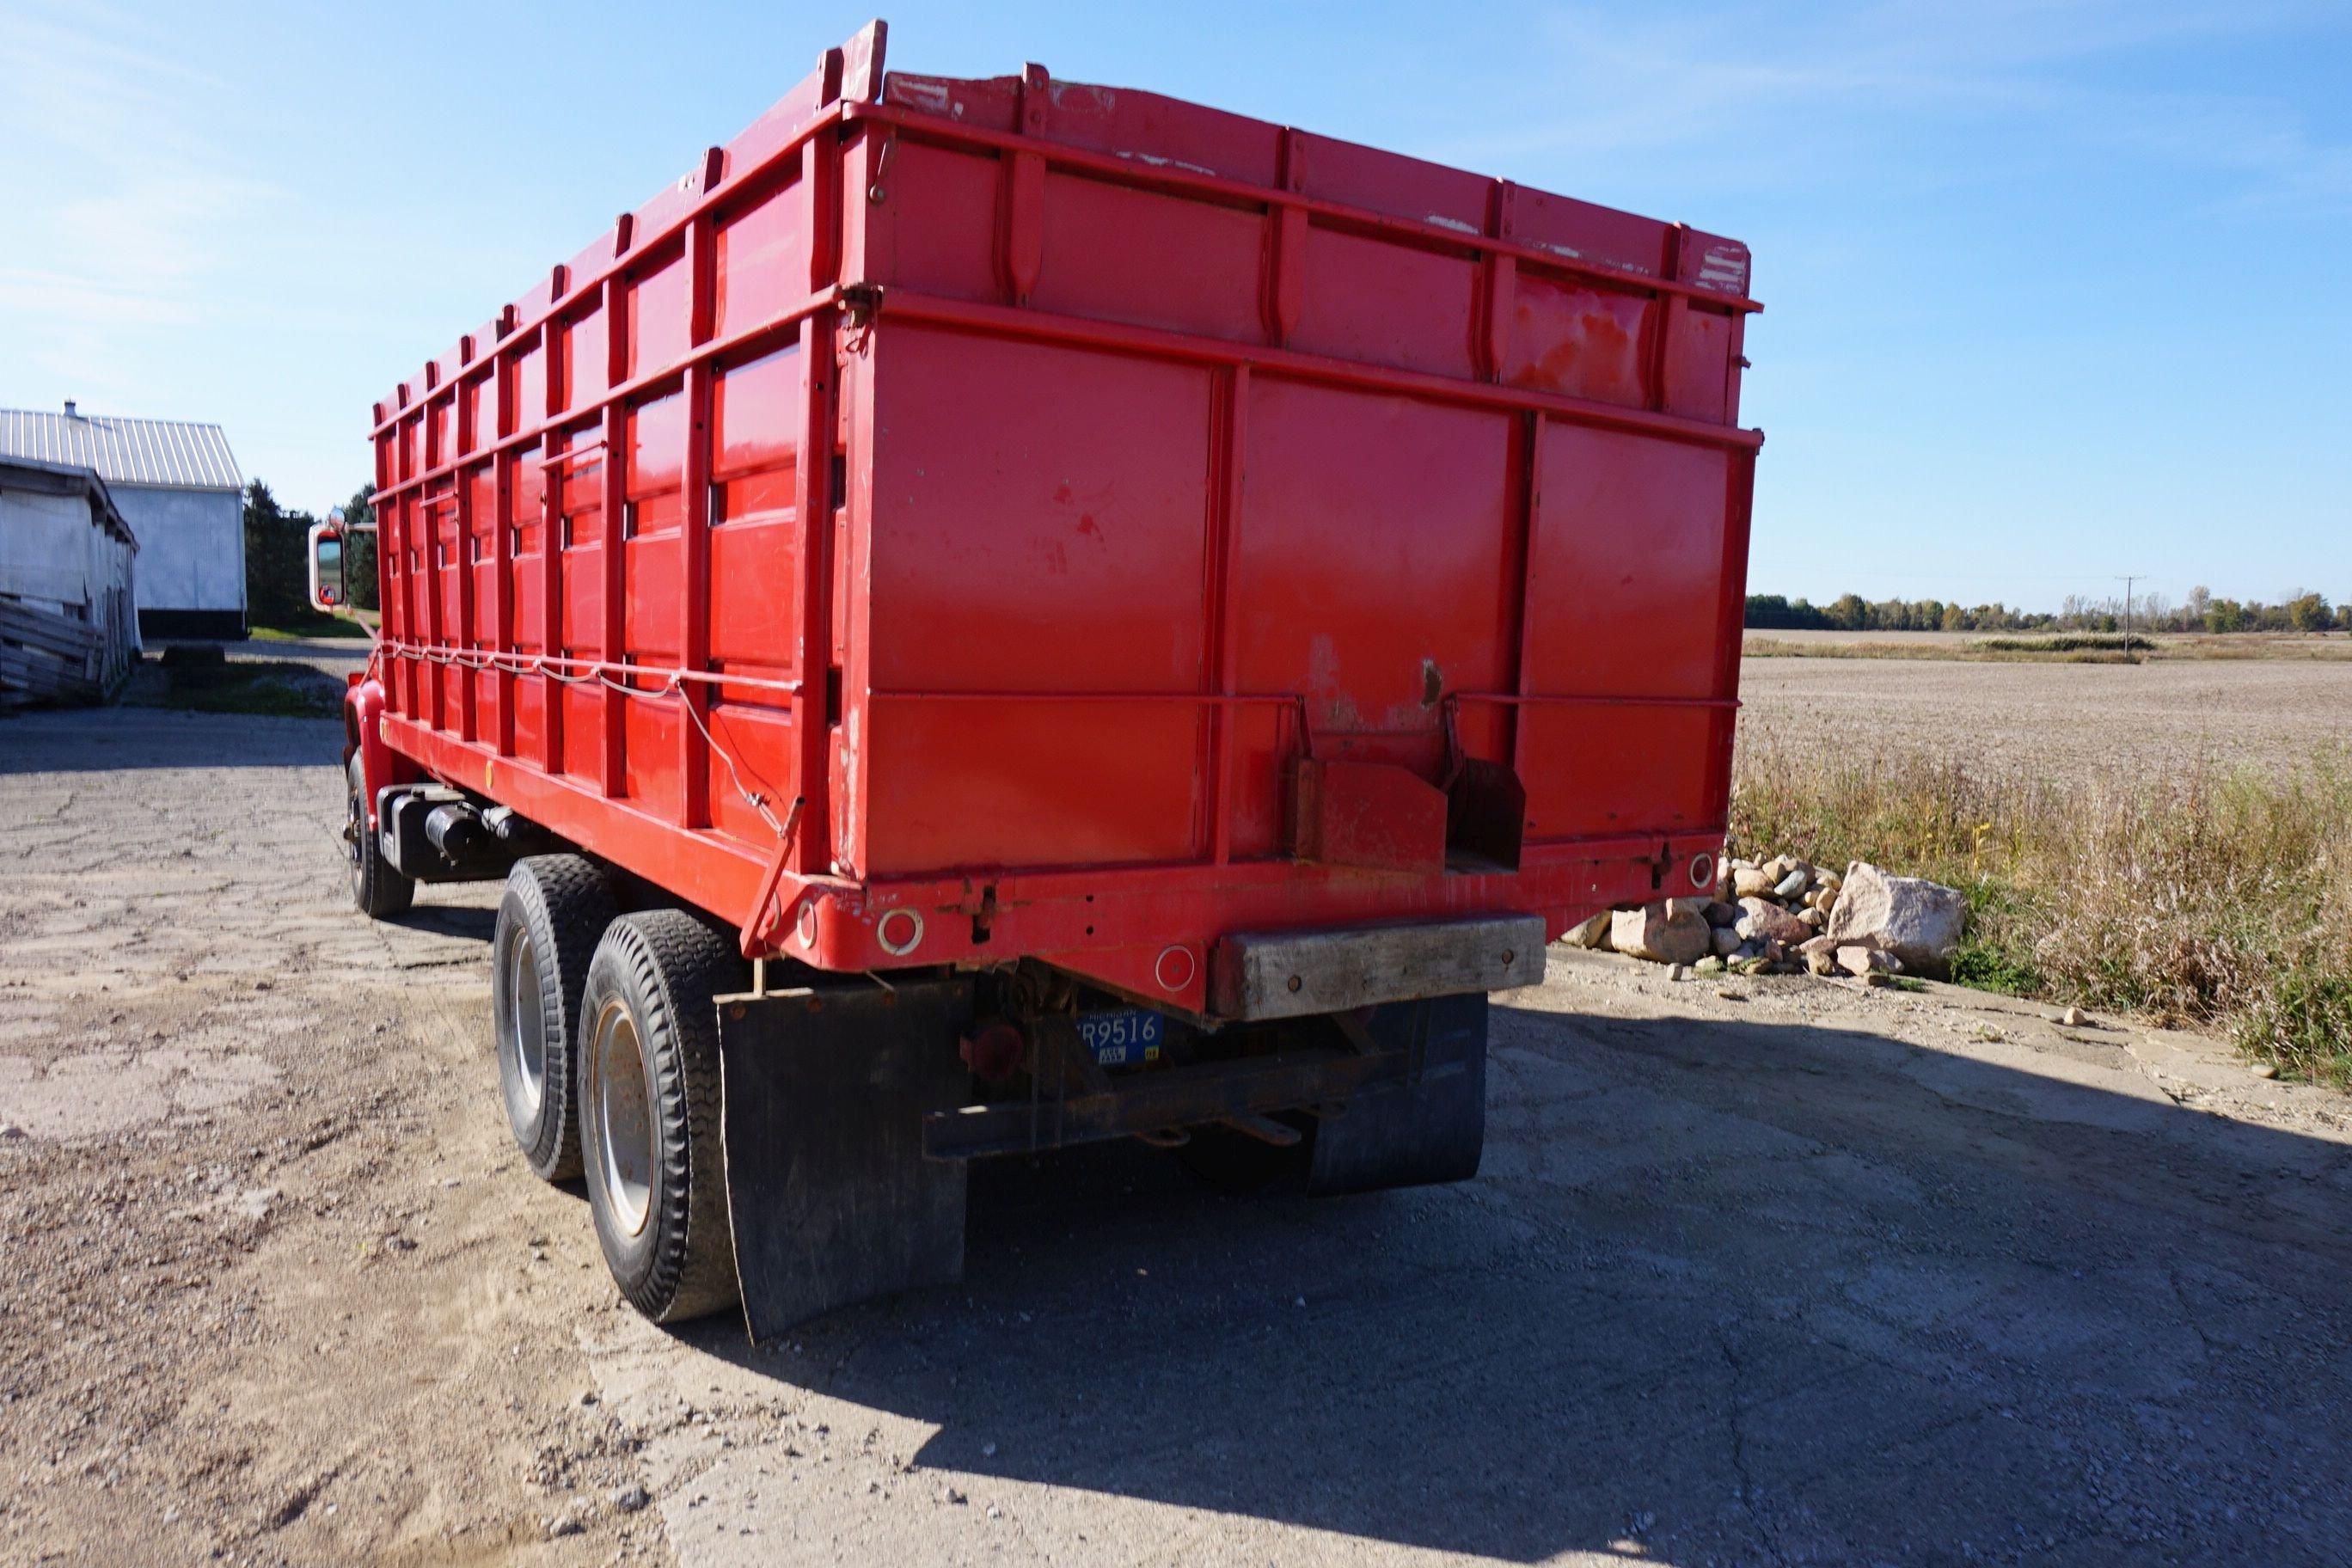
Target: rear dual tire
[[650, 1112], [555, 909]]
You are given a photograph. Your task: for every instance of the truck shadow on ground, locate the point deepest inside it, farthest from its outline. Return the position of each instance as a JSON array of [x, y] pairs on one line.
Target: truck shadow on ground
[[113, 740], [1733, 1291], [463, 921]]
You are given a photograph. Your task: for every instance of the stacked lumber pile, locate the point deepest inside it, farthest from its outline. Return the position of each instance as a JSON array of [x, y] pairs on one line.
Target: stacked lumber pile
[[47, 657]]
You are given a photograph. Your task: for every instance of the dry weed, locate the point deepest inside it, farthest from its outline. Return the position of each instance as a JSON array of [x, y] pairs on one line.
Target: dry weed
[[2211, 895]]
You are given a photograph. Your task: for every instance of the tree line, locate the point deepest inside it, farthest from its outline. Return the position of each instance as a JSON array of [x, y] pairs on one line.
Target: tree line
[[277, 591], [277, 557], [2301, 611]]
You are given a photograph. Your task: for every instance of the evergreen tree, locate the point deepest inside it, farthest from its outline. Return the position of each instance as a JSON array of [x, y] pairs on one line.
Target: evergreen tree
[[277, 563], [359, 549]]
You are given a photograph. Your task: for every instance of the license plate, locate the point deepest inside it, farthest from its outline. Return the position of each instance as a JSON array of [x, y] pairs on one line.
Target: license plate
[[1122, 1039]]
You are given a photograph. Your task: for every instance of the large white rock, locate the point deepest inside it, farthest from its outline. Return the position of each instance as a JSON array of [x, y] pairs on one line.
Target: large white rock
[[1666, 932], [1917, 920]]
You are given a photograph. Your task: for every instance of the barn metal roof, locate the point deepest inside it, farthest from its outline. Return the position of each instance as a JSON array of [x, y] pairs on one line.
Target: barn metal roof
[[170, 452]]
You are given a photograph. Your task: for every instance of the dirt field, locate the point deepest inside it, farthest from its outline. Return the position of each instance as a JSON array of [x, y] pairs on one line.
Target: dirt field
[[1806, 1274], [2059, 719]]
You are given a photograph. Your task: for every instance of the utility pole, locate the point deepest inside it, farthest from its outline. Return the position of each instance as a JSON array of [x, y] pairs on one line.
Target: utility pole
[[2136, 577]]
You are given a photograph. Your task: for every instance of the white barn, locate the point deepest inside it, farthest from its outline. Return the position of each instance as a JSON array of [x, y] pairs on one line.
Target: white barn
[[178, 487], [68, 631]]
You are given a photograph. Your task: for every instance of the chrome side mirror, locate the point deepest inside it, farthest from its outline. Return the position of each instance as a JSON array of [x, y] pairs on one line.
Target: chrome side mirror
[[327, 590]]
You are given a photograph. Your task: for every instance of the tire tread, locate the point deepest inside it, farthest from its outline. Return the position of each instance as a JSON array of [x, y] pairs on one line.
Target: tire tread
[[679, 963], [380, 892], [564, 904]]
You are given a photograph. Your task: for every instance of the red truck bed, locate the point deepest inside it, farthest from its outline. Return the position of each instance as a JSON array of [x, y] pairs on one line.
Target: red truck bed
[[963, 520]]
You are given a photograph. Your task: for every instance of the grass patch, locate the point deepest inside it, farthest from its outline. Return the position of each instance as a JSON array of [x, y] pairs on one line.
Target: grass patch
[[2306, 1019], [291, 627], [271, 689], [1987, 966], [2069, 642], [1985, 961], [2086, 649], [1788, 647], [2213, 896]]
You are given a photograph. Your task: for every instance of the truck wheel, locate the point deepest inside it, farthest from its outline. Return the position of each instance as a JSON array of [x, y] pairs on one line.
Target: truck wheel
[[376, 887], [555, 908], [650, 1112]]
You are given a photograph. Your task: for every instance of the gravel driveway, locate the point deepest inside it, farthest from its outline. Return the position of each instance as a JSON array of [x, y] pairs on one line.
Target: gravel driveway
[[1799, 1274]]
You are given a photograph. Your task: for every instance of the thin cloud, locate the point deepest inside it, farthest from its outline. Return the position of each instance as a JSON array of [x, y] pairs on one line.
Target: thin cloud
[[125, 212], [1798, 103]]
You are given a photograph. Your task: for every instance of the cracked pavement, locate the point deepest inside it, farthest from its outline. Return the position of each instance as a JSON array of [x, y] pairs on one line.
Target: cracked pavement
[[1808, 1274], [1805, 1273]]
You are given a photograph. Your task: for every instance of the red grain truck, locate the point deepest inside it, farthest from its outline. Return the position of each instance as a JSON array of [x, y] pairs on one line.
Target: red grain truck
[[997, 614]]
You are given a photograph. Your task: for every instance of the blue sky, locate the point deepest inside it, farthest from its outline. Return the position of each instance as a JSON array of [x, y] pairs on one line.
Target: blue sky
[[2053, 291]]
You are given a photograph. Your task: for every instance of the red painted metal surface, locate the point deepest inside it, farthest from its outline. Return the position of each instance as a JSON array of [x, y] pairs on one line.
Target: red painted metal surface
[[947, 524]]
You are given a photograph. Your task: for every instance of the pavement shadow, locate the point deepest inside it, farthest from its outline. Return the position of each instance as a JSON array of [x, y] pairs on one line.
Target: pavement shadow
[[448, 920], [1738, 1292], [122, 739]]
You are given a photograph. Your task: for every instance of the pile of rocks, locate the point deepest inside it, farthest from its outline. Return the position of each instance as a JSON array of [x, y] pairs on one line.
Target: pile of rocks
[[1784, 915]]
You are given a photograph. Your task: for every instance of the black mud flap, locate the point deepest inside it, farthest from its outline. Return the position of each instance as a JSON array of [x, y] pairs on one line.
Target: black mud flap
[[1429, 1128], [824, 1093]]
